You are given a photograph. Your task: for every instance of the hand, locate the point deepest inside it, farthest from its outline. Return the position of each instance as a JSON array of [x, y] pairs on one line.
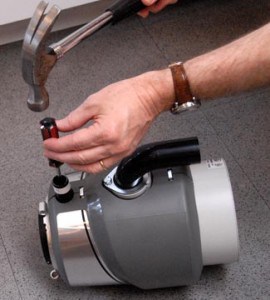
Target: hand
[[154, 6], [121, 115]]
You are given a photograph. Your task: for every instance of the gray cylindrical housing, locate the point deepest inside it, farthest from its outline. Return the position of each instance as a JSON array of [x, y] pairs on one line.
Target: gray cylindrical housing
[[152, 241]]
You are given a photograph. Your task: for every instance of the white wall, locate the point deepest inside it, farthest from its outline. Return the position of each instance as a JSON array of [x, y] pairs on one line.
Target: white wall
[[13, 10], [15, 15]]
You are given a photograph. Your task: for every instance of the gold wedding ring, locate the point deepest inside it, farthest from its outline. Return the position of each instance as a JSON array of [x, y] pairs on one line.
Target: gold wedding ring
[[102, 165]]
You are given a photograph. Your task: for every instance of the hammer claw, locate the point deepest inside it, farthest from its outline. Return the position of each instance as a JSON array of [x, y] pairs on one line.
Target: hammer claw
[[44, 28], [35, 21]]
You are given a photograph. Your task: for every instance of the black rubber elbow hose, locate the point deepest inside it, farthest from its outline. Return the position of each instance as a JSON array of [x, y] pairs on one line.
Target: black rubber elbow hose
[[154, 156]]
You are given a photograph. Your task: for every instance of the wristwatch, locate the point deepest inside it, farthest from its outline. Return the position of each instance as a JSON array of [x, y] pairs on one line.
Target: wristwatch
[[184, 101]]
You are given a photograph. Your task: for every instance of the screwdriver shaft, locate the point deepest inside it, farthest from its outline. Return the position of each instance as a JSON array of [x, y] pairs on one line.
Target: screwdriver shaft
[[59, 171]]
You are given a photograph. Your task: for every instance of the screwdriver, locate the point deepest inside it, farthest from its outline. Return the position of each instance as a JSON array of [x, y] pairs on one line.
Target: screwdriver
[[49, 130]]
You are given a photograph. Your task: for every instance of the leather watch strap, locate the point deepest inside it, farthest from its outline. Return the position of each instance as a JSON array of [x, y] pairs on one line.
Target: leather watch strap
[[184, 98], [181, 85]]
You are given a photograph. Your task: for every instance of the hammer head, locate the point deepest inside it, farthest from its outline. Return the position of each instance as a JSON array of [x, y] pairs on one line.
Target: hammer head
[[37, 59]]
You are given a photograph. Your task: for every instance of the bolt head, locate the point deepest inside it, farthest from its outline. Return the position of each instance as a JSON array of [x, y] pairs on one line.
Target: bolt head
[[108, 181]]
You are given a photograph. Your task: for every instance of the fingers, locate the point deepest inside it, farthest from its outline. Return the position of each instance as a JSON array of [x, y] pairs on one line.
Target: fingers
[[98, 166], [160, 5], [155, 6], [80, 140], [149, 2], [144, 13], [77, 118], [84, 157]]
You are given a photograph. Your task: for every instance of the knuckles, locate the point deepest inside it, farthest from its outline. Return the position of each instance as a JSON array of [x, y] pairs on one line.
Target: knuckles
[[110, 134], [123, 148], [94, 168], [81, 158], [70, 120], [76, 145]]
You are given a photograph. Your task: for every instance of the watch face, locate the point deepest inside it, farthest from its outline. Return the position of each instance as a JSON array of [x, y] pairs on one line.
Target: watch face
[[187, 106]]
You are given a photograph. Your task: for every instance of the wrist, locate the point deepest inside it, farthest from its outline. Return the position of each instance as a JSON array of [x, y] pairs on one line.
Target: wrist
[[165, 89], [160, 89], [190, 66]]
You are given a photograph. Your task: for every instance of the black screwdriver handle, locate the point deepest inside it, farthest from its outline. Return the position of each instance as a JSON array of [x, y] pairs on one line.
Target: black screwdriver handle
[[49, 130], [122, 9]]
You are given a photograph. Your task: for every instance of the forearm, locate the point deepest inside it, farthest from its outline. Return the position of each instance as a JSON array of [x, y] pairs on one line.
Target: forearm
[[237, 67]]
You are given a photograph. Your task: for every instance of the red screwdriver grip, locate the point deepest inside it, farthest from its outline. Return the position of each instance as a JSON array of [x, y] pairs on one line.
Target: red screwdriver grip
[[49, 130]]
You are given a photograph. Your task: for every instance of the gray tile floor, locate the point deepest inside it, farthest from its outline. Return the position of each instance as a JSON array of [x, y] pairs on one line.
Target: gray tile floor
[[235, 128]]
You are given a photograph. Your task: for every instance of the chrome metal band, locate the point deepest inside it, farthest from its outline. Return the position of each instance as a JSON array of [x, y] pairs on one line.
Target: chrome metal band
[[43, 211], [80, 262]]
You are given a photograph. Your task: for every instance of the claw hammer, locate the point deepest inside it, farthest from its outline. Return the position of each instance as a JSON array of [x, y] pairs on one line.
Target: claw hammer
[[38, 59]]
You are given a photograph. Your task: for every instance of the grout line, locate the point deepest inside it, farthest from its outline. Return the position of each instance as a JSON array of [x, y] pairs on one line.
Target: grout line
[[153, 40], [225, 146], [1, 238]]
